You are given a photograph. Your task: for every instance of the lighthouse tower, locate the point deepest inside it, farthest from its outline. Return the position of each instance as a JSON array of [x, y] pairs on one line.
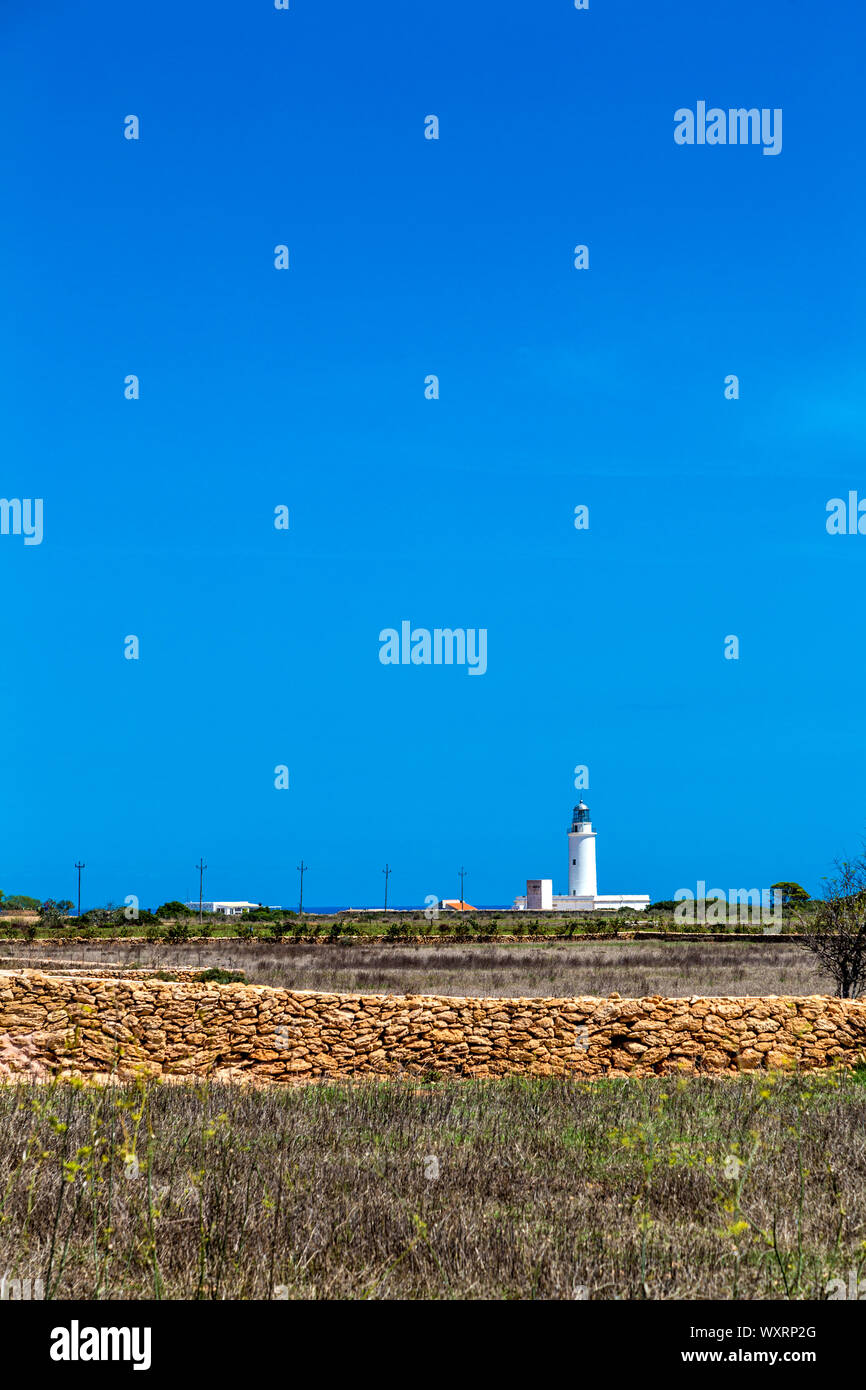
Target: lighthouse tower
[[582, 882]]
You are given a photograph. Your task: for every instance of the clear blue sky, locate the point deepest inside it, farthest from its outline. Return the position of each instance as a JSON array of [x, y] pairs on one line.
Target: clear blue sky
[[306, 387]]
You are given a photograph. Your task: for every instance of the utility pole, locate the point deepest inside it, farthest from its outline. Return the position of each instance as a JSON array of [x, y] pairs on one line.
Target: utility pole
[[302, 869], [462, 872], [79, 867], [387, 872], [201, 866]]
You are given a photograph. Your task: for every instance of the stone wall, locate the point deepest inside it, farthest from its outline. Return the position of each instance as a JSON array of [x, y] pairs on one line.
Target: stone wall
[[93, 1026]]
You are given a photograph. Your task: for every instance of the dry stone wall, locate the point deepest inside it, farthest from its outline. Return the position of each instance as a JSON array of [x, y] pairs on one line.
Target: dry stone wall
[[95, 1026]]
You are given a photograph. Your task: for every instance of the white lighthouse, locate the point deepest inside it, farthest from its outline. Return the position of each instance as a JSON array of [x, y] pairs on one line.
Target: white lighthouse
[[583, 894], [582, 881]]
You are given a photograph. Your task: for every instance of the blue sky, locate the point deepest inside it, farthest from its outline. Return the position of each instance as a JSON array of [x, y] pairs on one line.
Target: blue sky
[[306, 388]]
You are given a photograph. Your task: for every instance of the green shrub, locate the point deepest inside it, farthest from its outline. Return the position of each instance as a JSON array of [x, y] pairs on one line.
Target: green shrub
[[51, 915], [223, 977], [177, 931]]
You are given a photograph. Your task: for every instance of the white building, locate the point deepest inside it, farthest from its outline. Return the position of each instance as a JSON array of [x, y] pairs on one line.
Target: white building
[[223, 909], [539, 894], [583, 894]]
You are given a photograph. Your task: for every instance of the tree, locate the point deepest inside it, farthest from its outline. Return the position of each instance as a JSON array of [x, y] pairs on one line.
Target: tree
[[835, 933], [173, 909], [108, 916], [792, 894], [21, 903], [51, 914], [178, 931]]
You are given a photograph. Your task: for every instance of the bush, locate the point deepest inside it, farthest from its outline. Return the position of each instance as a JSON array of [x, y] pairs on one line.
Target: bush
[[173, 909], [28, 930], [223, 977], [246, 931], [51, 915], [177, 931], [101, 917], [154, 933]]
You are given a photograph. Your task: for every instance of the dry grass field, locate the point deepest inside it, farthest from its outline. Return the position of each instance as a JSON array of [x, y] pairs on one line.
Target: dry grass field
[[553, 969], [751, 1189]]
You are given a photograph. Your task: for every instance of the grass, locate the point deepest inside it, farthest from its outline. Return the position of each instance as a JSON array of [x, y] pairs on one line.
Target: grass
[[481, 925], [750, 1188], [771, 966]]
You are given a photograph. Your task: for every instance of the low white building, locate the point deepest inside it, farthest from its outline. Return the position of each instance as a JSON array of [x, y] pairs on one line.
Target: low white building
[[223, 909], [583, 895], [539, 894]]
